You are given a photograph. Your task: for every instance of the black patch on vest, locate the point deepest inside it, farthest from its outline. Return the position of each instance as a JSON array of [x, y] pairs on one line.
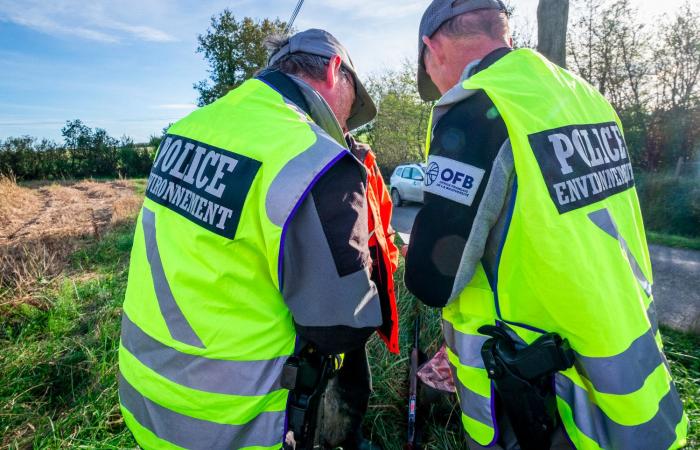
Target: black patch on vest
[[203, 183], [583, 164]]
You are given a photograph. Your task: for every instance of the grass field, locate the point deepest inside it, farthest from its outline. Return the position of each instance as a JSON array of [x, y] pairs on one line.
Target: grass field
[[58, 360], [671, 240]]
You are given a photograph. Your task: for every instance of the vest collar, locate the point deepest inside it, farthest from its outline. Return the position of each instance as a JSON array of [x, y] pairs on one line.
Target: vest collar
[[307, 98], [489, 59]]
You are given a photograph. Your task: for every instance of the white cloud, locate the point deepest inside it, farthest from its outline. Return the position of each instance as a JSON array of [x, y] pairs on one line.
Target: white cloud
[[373, 9], [141, 32], [49, 26], [177, 106], [91, 21]]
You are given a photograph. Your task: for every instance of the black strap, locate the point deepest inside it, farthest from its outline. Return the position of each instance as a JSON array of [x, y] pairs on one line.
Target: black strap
[[491, 58], [306, 375]]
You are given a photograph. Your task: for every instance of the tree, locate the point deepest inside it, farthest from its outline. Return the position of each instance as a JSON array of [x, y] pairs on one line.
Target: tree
[[103, 156], [609, 47], [677, 70], [397, 134], [234, 51], [650, 75], [552, 20], [633, 42], [77, 136], [17, 157], [677, 58], [92, 152], [521, 28], [523, 35]]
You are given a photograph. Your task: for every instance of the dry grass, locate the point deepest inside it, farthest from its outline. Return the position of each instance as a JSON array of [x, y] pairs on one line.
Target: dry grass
[[41, 225], [15, 200]]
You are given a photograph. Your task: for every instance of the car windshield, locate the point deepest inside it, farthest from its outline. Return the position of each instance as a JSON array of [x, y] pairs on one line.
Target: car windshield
[[416, 174]]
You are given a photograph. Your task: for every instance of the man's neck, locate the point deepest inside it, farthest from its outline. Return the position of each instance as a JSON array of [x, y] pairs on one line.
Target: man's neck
[[319, 110], [470, 51]]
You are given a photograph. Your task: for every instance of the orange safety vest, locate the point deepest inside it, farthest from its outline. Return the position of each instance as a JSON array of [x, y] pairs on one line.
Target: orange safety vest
[[385, 254]]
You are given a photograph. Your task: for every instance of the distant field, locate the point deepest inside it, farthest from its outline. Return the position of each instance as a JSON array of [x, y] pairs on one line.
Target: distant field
[[42, 224], [59, 327]]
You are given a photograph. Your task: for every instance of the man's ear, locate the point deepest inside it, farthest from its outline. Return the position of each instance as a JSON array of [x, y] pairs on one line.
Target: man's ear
[[333, 72], [435, 47]]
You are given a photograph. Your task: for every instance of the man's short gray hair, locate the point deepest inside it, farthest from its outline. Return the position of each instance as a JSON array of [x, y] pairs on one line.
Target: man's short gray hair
[[490, 23], [300, 64]]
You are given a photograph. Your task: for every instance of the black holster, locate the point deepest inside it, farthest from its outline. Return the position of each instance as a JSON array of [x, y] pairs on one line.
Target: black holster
[[523, 379], [306, 376]]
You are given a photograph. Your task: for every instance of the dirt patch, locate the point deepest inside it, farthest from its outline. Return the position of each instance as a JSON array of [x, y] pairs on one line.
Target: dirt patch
[[41, 225]]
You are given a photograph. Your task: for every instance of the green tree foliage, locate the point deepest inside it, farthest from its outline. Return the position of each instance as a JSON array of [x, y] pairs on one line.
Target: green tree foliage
[[677, 68], [234, 51], [677, 58], [85, 152], [650, 73], [397, 135]]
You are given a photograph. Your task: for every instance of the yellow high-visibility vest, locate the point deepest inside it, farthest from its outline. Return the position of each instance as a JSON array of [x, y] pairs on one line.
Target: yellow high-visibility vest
[[573, 260], [205, 330]]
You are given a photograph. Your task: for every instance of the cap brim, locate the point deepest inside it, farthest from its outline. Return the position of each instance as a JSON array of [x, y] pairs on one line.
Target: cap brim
[[426, 88], [363, 110]]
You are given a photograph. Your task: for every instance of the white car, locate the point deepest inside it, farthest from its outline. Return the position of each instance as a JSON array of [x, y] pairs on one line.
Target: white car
[[406, 184]]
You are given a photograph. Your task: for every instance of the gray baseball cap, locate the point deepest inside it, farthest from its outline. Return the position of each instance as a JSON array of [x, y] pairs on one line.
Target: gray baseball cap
[[438, 13], [322, 43]]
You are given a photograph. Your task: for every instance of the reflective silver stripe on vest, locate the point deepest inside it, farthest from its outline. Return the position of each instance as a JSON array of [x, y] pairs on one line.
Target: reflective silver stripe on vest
[[197, 372], [654, 321], [653, 318], [625, 372], [265, 430], [620, 374], [467, 347], [473, 405], [296, 178], [657, 433], [605, 222], [178, 326]]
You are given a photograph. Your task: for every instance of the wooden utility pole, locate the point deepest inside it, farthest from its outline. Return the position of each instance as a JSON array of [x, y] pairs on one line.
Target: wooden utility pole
[[552, 19]]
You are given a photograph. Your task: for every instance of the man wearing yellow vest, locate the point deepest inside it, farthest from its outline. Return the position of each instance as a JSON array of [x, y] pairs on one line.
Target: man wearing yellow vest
[[251, 248], [531, 241]]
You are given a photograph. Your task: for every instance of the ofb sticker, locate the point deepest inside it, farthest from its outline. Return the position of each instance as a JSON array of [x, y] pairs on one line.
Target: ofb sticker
[[452, 179], [582, 164]]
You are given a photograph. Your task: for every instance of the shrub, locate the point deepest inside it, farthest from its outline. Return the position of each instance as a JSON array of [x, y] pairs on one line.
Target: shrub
[[86, 152], [670, 204]]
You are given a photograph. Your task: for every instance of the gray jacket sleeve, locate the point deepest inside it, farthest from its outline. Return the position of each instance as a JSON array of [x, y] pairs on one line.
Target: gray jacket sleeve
[[327, 283]]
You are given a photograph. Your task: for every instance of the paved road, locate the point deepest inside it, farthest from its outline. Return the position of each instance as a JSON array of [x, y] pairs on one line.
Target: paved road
[[677, 287], [676, 277]]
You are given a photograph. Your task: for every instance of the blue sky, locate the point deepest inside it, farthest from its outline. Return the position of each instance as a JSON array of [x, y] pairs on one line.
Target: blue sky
[[128, 66]]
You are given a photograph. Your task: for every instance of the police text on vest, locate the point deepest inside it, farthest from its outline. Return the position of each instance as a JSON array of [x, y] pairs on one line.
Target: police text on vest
[[583, 164], [206, 184]]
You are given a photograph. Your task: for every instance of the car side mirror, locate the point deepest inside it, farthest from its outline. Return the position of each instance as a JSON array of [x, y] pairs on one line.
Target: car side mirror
[[419, 178]]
